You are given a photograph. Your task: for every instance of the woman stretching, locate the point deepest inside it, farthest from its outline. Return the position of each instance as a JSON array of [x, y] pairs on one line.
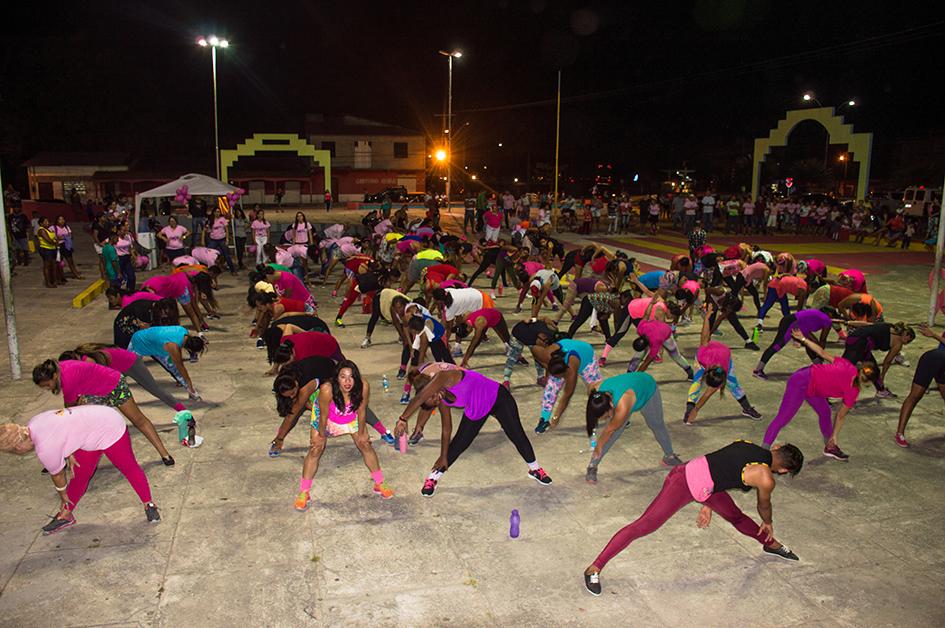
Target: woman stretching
[[808, 322], [565, 360], [883, 336], [815, 384], [715, 370], [530, 334], [478, 322], [85, 383], [165, 345], [340, 407], [78, 435], [479, 397], [128, 363], [706, 480], [778, 291], [613, 401], [287, 284], [294, 387], [297, 345], [930, 366], [177, 286], [655, 334]]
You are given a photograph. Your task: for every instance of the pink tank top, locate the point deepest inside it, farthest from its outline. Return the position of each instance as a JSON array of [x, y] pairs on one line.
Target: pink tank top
[[341, 418]]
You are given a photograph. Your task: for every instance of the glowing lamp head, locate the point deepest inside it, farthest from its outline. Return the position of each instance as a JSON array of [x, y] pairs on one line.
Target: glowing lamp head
[[214, 40], [202, 42], [851, 103], [808, 96], [440, 155], [224, 43]]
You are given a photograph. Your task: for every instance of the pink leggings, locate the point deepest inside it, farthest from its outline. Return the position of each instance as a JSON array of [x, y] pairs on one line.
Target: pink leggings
[[795, 394], [122, 456], [673, 496]]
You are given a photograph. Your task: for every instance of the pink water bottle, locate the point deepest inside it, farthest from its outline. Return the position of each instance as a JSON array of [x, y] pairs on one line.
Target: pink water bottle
[[514, 524], [402, 443]]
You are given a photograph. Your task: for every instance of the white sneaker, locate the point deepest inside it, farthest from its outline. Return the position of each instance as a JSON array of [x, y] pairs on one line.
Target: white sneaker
[[901, 360], [366, 342], [457, 350]]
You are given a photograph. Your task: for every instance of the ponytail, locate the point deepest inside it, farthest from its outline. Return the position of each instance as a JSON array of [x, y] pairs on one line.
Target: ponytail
[[598, 404], [45, 371]]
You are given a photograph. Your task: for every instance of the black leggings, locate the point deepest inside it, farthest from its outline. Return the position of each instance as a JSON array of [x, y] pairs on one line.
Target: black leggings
[[505, 411], [585, 313], [375, 315], [738, 283], [568, 264], [489, 258], [622, 323], [732, 318], [439, 351]]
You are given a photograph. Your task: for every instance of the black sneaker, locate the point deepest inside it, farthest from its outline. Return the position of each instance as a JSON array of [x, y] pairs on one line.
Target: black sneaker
[[782, 552], [415, 438], [751, 413], [592, 583], [833, 451], [169, 461], [151, 511], [58, 525], [591, 476], [260, 344], [401, 373], [542, 426], [760, 374], [540, 476], [752, 346]]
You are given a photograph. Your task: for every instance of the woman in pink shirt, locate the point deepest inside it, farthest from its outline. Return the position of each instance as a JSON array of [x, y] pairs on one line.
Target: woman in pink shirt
[[173, 236], [836, 378], [716, 369], [288, 285], [296, 346], [655, 334], [260, 227], [177, 286], [217, 237], [126, 253], [477, 323], [76, 438], [86, 383], [66, 245]]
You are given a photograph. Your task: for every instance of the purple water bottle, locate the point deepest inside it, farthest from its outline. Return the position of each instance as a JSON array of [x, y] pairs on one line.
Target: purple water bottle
[[514, 523]]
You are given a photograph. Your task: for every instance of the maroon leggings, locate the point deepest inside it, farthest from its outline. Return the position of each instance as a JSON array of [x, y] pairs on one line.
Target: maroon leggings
[[673, 496]]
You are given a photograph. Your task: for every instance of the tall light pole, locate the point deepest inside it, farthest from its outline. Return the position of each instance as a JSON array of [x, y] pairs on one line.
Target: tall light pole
[[810, 96], [214, 42], [449, 119]]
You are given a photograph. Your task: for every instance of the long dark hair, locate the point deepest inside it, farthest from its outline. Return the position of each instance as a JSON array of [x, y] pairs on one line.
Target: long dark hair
[[557, 364], [598, 404], [91, 350], [45, 371], [357, 391], [288, 378], [165, 313], [284, 352]]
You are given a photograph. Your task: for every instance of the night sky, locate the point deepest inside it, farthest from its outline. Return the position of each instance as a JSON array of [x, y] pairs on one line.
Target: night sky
[[646, 86]]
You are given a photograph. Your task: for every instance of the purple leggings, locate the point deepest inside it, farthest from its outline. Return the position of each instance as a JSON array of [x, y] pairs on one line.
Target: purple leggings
[[794, 395]]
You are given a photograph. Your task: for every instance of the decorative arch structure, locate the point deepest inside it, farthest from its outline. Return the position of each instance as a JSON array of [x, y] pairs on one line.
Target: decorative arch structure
[[859, 145], [282, 142]]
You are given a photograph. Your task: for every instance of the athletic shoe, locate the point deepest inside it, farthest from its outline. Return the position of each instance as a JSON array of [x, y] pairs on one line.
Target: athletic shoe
[[718, 333], [542, 381], [901, 360], [542, 426], [591, 475], [671, 460], [492, 295], [507, 384], [429, 487], [832, 451], [260, 344], [457, 351], [751, 345], [592, 583], [366, 342], [301, 502], [751, 413], [781, 552], [151, 512], [274, 451], [518, 309], [405, 399], [760, 374], [59, 524], [602, 362], [885, 393], [415, 438], [401, 373], [169, 461], [339, 323], [901, 440], [383, 490], [540, 476], [389, 439], [554, 307]]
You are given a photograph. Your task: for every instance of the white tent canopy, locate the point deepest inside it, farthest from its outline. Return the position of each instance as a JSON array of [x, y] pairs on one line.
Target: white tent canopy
[[197, 185]]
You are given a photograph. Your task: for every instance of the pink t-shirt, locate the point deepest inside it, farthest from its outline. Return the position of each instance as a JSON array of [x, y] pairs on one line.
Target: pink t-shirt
[[637, 308], [714, 354], [206, 256], [57, 434], [140, 296], [532, 267], [175, 237], [834, 380], [79, 378], [301, 233], [754, 272], [788, 284], [492, 316], [185, 260], [731, 267], [310, 343], [168, 286], [284, 258], [347, 247], [260, 228], [298, 250], [121, 359], [493, 219], [692, 287], [123, 246], [289, 285], [218, 229], [657, 332]]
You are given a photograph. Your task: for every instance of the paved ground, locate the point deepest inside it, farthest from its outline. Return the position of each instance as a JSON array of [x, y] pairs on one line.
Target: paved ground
[[231, 550]]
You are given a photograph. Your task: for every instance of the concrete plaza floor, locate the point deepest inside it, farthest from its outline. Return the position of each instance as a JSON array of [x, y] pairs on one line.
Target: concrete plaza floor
[[232, 551]]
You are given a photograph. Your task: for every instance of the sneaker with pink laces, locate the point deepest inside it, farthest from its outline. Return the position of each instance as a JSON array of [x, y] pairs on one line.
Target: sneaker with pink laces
[[540, 476], [429, 487]]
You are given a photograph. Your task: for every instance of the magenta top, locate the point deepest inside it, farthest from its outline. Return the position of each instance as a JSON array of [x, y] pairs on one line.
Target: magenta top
[[493, 219], [857, 279], [475, 394], [532, 267], [120, 359], [714, 354], [57, 434], [492, 316], [309, 343], [168, 286], [78, 378], [139, 296], [290, 286], [452, 283], [657, 332], [834, 380]]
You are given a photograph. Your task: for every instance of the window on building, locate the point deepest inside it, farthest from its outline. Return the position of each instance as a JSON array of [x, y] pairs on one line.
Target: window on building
[[400, 150], [330, 147]]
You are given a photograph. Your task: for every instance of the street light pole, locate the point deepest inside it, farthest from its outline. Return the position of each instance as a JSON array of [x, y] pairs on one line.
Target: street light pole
[[449, 132], [214, 42], [12, 342]]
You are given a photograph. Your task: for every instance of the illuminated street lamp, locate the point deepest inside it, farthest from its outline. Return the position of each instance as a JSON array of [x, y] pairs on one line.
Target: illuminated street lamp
[[440, 154], [455, 54], [214, 42], [808, 97]]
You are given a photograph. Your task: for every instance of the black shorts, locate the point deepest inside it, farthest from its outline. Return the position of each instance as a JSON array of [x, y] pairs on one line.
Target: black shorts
[[931, 366]]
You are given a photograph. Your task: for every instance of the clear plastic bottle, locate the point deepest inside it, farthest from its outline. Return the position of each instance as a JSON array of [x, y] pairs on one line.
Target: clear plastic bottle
[[515, 522], [386, 384]]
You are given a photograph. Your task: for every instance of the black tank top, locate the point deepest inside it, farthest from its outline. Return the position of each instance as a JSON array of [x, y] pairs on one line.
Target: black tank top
[[726, 464], [527, 333], [878, 335]]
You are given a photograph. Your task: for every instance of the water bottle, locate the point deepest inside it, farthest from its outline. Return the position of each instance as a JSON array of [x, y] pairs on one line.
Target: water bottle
[[191, 432], [514, 524], [402, 443], [184, 419], [386, 384]]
